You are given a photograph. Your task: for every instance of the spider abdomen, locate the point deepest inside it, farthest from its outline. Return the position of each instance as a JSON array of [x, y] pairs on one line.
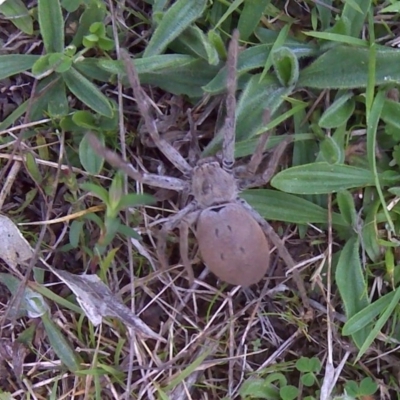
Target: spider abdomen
[[232, 244]]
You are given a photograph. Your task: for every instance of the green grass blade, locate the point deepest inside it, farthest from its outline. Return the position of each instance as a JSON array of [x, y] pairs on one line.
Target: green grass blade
[[379, 325], [335, 37], [60, 345], [372, 128], [366, 315]]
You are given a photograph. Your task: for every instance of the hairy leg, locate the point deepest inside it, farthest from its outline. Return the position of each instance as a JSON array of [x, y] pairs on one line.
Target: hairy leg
[[184, 226], [143, 104], [172, 223], [282, 250], [165, 182], [265, 177], [228, 146]]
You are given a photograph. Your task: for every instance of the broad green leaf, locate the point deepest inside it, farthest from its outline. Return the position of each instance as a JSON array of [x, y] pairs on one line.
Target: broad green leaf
[[247, 147], [176, 19], [390, 113], [393, 8], [368, 387], [250, 16], [13, 64], [128, 232], [58, 102], [33, 168], [90, 68], [224, 19], [97, 190], [197, 43], [279, 206], [13, 117], [85, 119], [279, 42], [44, 96], [249, 59], [94, 12], [338, 112], [289, 392], [90, 160], [373, 118], [286, 66], [254, 100], [351, 283], [257, 97], [41, 66], [71, 5], [347, 207], [216, 40], [135, 199], [51, 25], [177, 74], [18, 14], [325, 14], [163, 63], [255, 57], [300, 48], [187, 80], [346, 67], [355, 12], [60, 345], [75, 231], [370, 233], [321, 177], [330, 151], [87, 92], [259, 389]]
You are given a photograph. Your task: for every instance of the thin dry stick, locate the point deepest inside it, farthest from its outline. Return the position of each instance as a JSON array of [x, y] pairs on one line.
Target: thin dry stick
[[12, 175]]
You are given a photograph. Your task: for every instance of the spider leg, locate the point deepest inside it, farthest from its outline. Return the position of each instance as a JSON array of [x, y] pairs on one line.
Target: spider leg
[[172, 223], [143, 104], [257, 156], [228, 146], [185, 224], [265, 177], [282, 250], [165, 182]]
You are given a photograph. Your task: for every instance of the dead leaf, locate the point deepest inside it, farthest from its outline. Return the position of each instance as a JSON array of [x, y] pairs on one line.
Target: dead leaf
[[14, 248], [97, 300]]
